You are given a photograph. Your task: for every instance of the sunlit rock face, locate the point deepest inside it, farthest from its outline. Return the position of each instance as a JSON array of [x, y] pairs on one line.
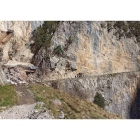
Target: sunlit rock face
[[14, 47], [18, 46], [92, 50], [88, 48]]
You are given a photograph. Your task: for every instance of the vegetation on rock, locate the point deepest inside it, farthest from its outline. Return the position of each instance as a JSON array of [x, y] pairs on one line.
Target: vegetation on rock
[[99, 100], [43, 34], [58, 50], [73, 107], [125, 29]]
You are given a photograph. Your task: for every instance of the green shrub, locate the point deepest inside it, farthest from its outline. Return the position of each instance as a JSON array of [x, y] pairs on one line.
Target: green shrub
[[125, 29], [47, 57], [99, 100], [43, 34], [58, 50]]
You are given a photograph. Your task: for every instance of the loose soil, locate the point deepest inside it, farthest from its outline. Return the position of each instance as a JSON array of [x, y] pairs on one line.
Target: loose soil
[[24, 95]]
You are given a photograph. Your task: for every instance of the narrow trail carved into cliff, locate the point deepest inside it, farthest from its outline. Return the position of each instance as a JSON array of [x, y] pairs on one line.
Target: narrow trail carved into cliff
[[93, 76]]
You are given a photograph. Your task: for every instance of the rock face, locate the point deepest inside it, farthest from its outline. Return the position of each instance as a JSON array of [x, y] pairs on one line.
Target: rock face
[[90, 49], [14, 42], [56, 103], [17, 48], [87, 47], [119, 91]]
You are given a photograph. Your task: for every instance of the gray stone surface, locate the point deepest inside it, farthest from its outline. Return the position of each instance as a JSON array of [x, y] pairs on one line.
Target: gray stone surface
[[62, 115], [119, 90], [27, 112], [56, 102], [35, 24]]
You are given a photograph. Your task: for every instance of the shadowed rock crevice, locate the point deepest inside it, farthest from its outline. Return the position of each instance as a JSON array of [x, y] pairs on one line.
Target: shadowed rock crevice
[[135, 106]]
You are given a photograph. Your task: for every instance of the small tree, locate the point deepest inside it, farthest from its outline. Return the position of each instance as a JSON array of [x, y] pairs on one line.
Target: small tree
[[43, 34], [99, 100]]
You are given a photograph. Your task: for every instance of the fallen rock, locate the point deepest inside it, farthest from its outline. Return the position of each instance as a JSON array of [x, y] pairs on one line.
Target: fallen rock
[[23, 73], [45, 115], [56, 103], [62, 115], [54, 59], [40, 112], [73, 66]]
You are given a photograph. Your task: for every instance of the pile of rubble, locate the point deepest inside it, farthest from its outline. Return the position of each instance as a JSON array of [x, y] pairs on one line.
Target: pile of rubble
[[19, 75], [15, 75]]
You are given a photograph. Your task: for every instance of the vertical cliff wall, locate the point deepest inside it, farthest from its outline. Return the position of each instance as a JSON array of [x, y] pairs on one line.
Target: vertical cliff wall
[[119, 90], [90, 49], [14, 42], [18, 47]]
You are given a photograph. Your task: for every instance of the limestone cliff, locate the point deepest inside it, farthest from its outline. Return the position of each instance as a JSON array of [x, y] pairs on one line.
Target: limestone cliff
[[14, 47], [17, 49], [119, 91], [90, 49]]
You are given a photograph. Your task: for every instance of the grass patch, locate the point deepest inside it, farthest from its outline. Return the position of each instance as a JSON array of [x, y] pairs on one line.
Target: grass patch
[[73, 107], [8, 95]]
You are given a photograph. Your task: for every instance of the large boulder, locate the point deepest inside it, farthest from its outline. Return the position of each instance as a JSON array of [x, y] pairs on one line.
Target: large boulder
[[56, 103], [23, 74]]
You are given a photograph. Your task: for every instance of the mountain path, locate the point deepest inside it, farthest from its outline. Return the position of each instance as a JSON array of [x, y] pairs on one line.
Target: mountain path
[[24, 95], [25, 104]]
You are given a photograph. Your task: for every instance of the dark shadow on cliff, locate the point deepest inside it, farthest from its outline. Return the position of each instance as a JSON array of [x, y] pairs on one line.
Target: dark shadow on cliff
[[135, 106]]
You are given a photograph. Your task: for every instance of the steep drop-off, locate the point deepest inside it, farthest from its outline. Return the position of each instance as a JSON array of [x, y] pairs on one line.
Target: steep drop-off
[[119, 91]]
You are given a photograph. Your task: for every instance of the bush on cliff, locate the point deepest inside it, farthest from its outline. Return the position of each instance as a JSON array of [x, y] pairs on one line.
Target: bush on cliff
[[125, 29], [43, 34], [99, 100], [58, 50]]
